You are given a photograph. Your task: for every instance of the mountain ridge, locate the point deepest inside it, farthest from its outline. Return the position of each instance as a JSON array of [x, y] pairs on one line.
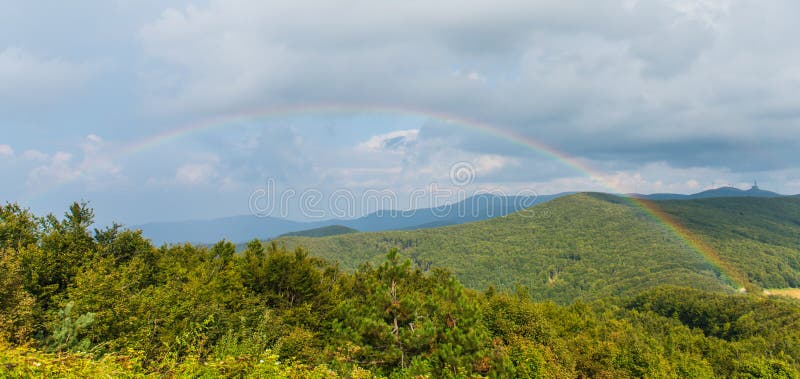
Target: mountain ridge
[[247, 227], [726, 191], [479, 207], [591, 245], [325, 231]]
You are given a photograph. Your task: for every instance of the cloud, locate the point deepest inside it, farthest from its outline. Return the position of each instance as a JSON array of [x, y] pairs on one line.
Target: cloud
[[396, 141], [34, 155], [195, 173], [28, 79], [6, 150], [59, 168], [201, 172], [471, 75], [609, 81], [662, 95], [95, 168], [485, 164]]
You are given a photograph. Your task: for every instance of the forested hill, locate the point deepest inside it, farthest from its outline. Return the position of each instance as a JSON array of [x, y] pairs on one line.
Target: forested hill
[[325, 231], [759, 236], [593, 245], [78, 302]]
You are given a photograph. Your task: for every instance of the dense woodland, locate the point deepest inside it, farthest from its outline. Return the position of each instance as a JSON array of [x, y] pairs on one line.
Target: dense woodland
[[592, 246], [82, 302]]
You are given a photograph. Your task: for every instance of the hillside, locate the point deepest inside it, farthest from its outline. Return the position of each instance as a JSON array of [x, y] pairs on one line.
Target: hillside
[[475, 208], [78, 302], [325, 231], [592, 245], [759, 236]]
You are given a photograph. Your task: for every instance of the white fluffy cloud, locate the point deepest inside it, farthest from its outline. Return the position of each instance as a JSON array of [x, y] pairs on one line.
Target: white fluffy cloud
[[201, 172], [396, 141], [59, 168], [487, 163], [34, 155], [6, 150], [95, 167]]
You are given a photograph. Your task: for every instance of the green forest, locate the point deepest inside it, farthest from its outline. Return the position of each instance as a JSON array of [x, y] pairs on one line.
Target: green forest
[[586, 286], [590, 246]]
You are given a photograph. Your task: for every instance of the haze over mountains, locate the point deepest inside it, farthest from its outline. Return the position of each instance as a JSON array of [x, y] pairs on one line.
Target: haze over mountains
[[479, 207], [246, 227]]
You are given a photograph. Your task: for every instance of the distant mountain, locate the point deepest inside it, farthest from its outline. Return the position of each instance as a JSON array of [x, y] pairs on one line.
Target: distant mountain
[[476, 208], [754, 191], [586, 246], [735, 192], [660, 196], [244, 228], [325, 231]]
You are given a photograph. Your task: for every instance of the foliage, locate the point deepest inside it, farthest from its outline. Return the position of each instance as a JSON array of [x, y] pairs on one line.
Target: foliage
[[757, 236], [591, 246], [325, 231], [16, 304], [398, 317], [121, 307], [67, 333]]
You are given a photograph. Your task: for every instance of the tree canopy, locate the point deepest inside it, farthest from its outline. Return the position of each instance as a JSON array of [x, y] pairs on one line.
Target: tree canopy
[[77, 302]]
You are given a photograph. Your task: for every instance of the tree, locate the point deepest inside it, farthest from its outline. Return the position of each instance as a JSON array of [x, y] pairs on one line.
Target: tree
[[18, 227], [68, 331], [398, 317], [16, 304], [63, 248]]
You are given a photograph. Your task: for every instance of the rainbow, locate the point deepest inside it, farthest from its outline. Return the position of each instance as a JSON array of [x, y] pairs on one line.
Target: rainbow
[[274, 112], [729, 272]]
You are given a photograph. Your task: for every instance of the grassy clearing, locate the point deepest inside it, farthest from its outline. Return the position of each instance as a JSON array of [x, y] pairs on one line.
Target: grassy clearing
[[787, 292]]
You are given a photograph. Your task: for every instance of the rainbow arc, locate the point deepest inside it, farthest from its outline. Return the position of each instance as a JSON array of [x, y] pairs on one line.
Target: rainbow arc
[[693, 241]]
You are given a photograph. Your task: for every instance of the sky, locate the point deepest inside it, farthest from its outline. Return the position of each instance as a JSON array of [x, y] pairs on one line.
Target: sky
[[172, 110]]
